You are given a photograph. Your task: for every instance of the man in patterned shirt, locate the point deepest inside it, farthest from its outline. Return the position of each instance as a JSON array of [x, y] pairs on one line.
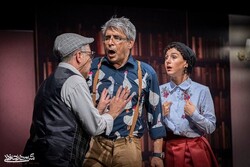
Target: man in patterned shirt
[[117, 68]]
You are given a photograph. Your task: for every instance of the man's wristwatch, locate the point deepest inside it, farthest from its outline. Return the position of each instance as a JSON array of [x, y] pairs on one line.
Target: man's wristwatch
[[159, 155]]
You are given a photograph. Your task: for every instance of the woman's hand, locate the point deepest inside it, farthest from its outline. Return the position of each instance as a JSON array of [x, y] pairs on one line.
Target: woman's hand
[[189, 108], [166, 108]]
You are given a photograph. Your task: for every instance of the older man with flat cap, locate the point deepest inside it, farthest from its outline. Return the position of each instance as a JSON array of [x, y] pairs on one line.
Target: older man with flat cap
[[64, 117]]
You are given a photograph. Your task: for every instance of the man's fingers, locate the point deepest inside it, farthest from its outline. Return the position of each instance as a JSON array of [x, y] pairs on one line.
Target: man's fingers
[[123, 94], [124, 91], [118, 92], [130, 97]]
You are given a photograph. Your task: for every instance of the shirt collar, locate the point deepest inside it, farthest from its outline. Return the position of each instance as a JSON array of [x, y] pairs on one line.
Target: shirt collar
[[70, 67], [183, 86], [131, 61]]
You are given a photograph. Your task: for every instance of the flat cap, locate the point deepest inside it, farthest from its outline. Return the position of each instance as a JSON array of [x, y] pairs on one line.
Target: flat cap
[[69, 42]]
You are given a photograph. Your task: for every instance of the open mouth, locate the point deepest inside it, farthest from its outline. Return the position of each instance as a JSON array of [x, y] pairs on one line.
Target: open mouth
[[169, 68], [111, 52]]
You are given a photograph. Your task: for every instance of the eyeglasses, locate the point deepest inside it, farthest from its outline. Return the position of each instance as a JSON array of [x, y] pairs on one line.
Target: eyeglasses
[[115, 38], [91, 54]]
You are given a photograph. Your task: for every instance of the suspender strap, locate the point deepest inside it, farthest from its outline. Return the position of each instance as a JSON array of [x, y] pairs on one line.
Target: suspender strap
[[95, 81], [138, 102], [139, 94]]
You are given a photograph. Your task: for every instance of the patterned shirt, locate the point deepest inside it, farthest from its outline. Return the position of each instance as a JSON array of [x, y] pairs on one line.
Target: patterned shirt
[[150, 101], [203, 120]]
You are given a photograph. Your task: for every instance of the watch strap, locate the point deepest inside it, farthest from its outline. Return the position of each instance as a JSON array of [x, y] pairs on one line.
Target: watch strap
[[159, 155]]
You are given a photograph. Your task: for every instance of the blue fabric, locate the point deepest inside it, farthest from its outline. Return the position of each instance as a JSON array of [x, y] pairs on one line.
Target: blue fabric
[[203, 120], [112, 78]]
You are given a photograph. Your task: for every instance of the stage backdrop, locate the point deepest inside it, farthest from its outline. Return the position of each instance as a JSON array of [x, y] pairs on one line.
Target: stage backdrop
[[17, 91]]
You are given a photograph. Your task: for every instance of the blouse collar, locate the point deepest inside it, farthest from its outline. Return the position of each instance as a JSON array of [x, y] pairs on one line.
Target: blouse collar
[[183, 86]]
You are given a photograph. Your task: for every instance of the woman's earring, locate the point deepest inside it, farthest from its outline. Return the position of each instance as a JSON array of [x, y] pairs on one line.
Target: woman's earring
[[185, 70]]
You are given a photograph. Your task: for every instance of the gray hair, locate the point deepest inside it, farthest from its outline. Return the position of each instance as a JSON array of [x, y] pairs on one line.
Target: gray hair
[[121, 24]]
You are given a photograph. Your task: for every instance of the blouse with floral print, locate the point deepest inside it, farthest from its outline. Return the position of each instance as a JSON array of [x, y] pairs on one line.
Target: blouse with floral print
[[202, 121]]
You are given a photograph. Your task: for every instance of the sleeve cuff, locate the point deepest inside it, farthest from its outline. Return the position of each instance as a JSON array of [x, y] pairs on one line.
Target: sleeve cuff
[[109, 123]]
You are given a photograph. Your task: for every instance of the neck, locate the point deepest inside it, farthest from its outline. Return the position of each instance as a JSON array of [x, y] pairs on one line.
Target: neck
[[179, 80], [121, 64]]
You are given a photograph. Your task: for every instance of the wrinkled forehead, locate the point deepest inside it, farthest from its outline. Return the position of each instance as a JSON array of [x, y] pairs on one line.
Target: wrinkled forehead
[[114, 30]]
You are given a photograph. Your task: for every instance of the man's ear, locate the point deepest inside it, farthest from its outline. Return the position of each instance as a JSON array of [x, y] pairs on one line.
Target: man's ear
[[79, 57], [130, 44]]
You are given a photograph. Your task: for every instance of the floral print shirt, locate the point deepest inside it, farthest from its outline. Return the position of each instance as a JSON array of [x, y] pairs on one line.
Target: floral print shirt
[[203, 120]]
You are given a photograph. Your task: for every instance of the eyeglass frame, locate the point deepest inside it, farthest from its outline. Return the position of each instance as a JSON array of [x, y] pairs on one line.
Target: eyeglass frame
[[115, 38], [90, 53]]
